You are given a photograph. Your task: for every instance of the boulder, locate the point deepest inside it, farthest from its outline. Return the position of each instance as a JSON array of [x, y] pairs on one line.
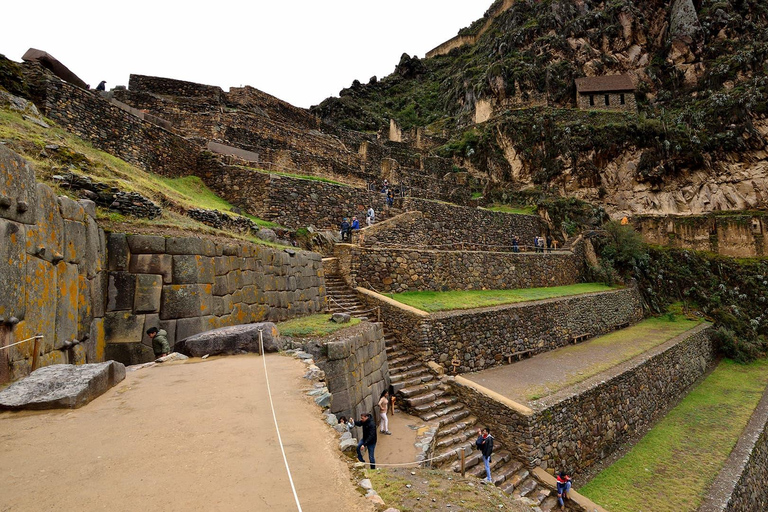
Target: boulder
[[235, 339], [341, 318], [62, 386]]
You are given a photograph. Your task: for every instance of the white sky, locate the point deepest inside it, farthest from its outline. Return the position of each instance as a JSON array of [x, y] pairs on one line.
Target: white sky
[[301, 51]]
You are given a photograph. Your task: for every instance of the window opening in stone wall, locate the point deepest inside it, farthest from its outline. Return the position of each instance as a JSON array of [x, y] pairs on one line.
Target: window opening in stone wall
[[607, 100], [621, 99], [591, 100]]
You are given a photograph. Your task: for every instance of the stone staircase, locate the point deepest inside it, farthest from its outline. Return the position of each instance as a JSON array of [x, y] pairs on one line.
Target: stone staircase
[[421, 393]]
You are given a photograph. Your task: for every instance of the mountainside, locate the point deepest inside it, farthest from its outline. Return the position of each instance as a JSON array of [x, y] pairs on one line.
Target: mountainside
[[697, 143]]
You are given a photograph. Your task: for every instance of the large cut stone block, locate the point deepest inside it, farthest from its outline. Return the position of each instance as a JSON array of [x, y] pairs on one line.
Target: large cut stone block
[[17, 188], [99, 285], [148, 290], [192, 269], [68, 304], [97, 342], [71, 210], [146, 244], [13, 263], [123, 327], [121, 291], [129, 353], [46, 238], [94, 251], [181, 301], [118, 252], [184, 245], [62, 386], [84, 307], [74, 241], [186, 327], [152, 264], [41, 298], [230, 340]]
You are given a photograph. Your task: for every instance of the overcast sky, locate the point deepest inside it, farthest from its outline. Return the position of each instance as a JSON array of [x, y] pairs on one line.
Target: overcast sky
[[301, 51]]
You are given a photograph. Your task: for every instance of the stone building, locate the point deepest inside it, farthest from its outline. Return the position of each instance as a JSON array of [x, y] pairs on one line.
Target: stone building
[[614, 92]]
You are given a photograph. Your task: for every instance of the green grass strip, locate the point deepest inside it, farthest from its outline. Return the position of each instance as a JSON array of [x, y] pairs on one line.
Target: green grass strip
[[673, 466], [313, 326], [519, 210], [468, 299]]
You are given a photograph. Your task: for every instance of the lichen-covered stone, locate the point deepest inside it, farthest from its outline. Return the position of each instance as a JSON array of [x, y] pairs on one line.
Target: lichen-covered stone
[[18, 186], [146, 244], [148, 291], [13, 260], [121, 291]]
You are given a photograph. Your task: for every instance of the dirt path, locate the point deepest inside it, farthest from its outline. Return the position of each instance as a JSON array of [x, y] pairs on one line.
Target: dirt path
[[187, 436], [547, 373], [399, 447]]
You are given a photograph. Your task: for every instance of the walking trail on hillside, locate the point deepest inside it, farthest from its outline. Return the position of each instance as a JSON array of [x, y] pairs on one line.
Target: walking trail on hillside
[[195, 435], [547, 373]]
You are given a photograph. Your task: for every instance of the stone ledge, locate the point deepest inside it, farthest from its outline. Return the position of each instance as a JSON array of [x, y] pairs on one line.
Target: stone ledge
[[392, 302], [550, 481]]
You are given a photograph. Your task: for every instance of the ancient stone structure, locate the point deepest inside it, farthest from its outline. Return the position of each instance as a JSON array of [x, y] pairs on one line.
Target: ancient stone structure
[[355, 367], [740, 236], [485, 337], [231, 340], [395, 270], [447, 226], [613, 92], [93, 296], [583, 424]]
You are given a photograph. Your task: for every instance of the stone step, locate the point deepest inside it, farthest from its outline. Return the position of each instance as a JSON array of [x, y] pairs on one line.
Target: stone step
[[549, 504], [540, 494], [469, 462], [415, 386], [402, 358], [452, 453], [498, 460], [461, 437], [525, 488], [468, 422], [424, 398], [504, 472], [513, 481], [410, 366], [441, 402], [396, 375], [447, 413]]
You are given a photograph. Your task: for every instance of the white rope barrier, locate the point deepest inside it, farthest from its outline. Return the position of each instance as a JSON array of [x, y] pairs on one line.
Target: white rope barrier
[[274, 417], [39, 336]]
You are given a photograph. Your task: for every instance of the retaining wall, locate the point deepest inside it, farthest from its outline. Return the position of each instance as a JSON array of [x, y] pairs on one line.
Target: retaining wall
[[586, 423], [740, 236], [356, 369], [93, 296], [110, 128], [393, 270], [483, 338]]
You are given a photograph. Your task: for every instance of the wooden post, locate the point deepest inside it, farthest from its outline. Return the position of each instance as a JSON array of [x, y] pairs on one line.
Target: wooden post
[[463, 461], [378, 313], [35, 352]]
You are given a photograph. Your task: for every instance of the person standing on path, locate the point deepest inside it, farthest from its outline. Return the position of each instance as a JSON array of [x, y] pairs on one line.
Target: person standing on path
[[383, 406], [484, 443], [369, 438], [370, 216], [563, 487], [159, 338]]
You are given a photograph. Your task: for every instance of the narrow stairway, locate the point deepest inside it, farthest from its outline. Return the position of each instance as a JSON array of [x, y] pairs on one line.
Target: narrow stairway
[[421, 393]]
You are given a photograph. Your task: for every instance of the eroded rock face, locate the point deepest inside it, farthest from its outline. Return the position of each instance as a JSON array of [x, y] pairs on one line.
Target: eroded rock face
[[237, 339], [62, 386]]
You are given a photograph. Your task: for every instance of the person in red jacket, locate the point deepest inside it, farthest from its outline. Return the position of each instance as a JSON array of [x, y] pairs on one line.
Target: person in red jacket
[[563, 486]]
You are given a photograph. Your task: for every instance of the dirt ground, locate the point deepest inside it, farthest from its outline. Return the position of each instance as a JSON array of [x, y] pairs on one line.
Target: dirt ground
[[399, 447], [195, 435]]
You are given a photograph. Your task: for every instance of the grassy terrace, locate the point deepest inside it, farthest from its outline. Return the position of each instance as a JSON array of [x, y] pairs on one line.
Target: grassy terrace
[[468, 299], [520, 210], [313, 326], [672, 467]]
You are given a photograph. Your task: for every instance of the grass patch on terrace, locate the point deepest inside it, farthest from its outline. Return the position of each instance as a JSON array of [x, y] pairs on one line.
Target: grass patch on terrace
[[301, 176], [673, 466], [518, 210], [313, 326], [469, 299]]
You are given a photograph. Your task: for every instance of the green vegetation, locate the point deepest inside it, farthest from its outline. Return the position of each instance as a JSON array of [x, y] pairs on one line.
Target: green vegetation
[[468, 299], [506, 208], [301, 176], [313, 326], [672, 467]]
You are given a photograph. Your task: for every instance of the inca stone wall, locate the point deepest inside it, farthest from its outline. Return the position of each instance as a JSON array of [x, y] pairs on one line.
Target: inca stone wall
[[110, 128], [485, 337], [445, 226], [584, 424], [740, 236], [52, 255], [188, 285], [93, 296], [399, 270], [356, 369]]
